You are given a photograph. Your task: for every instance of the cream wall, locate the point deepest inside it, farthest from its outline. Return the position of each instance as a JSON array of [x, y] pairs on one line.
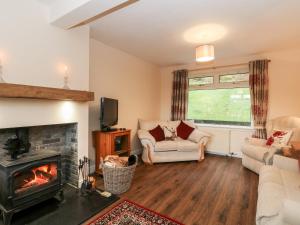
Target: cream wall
[[33, 52], [134, 82], [284, 74]]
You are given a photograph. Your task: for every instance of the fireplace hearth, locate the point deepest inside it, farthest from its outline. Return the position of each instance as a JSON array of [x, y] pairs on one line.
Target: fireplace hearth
[[32, 178]]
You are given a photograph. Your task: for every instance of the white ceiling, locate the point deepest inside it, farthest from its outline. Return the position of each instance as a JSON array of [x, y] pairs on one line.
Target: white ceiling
[[154, 29]]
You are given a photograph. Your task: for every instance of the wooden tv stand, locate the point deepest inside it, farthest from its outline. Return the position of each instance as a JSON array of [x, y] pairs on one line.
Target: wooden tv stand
[[111, 143]]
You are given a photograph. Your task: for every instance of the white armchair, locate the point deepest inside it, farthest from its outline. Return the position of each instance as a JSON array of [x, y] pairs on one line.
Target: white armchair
[[255, 151], [167, 150]]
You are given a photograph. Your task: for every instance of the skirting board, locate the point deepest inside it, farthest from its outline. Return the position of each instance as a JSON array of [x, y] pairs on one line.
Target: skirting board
[[236, 155]]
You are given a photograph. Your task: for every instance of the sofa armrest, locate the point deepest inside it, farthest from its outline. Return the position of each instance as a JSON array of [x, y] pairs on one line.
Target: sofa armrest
[[255, 151], [269, 157], [291, 212], [148, 151], [145, 136], [286, 163], [199, 136], [256, 141]]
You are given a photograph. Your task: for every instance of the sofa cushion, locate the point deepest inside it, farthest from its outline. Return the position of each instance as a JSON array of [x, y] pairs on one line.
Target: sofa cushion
[[166, 146], [151, 124], [291, 181], [269, 201], [187, 146], [171, 126], [269, 174], [184, 130], [197, 135], [158, 133], [279, 137]]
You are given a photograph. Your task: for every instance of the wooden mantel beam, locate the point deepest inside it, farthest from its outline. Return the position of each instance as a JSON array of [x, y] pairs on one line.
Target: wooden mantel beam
[[46, 93]]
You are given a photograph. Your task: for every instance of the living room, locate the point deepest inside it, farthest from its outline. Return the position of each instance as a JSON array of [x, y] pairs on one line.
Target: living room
[[58, 59]]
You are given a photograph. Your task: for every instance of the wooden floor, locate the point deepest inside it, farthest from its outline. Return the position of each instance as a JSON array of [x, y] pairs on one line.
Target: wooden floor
[[216, 191]]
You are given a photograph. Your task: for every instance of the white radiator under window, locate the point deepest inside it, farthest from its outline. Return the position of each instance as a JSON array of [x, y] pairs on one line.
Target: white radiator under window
[[226, 141]]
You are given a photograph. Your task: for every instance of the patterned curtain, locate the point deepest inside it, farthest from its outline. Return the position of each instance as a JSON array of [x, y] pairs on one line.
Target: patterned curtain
[[259, 90], [179, 95]]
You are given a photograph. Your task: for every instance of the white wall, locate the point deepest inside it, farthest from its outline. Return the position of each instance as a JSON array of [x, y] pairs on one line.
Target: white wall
[[284, 74], [134, 82], [33, 53]]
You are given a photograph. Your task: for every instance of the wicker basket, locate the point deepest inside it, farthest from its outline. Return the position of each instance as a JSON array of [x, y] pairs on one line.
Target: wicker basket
[[118, 180]]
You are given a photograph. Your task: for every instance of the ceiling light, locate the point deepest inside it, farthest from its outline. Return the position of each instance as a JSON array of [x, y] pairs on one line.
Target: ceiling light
[[205, 53], [205, 33]]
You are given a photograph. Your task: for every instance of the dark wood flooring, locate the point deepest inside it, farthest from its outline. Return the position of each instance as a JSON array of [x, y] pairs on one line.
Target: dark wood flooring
[[214, 192]]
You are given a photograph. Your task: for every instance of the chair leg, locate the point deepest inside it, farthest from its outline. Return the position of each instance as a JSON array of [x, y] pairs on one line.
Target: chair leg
[[202, 154]]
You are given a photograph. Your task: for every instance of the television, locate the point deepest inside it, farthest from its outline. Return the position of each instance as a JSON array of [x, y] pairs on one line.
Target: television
[[108, 114]]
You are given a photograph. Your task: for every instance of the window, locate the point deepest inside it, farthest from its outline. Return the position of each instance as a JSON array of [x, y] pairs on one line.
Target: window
[[198, 81], [234, 78], [225, 100]]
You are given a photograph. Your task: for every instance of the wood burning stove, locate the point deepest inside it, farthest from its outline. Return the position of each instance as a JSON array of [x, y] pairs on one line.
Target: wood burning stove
[[28, 180]]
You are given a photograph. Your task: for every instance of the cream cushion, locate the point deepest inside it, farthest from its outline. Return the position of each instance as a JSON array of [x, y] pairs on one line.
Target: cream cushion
[[187, 146], [196, 135], [177, 145], [165, 146], [149, 125], [288, 123]]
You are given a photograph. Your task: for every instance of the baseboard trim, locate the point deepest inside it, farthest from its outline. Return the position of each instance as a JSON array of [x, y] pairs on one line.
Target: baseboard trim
[[236, 155]]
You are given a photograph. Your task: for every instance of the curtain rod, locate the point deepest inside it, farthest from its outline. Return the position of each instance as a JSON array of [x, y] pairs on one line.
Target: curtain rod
[[217, 67]]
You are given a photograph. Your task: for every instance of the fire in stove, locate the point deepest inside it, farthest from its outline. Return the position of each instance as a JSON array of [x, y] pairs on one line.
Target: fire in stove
[[35, 177]]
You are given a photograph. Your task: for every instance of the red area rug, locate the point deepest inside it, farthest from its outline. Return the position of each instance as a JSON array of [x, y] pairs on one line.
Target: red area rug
[[130, 213]]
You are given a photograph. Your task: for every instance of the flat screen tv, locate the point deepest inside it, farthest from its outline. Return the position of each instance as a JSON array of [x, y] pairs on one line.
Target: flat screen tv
[[108, 113]]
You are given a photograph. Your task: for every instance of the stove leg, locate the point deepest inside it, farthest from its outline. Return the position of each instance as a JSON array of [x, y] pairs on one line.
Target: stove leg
[[7, 217]]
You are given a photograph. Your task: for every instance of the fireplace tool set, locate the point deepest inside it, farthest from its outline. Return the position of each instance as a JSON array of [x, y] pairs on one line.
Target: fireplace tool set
[[84, 169], [89, 182]]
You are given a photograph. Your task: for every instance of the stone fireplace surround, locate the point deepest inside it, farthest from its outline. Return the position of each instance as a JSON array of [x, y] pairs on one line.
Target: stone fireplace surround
[[61, 138]]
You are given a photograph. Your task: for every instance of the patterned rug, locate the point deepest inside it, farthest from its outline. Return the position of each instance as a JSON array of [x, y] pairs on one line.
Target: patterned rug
[[130, 213]]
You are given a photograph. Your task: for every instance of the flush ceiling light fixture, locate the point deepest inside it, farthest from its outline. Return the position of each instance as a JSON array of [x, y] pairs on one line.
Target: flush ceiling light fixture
[[205, 33], [205, 53]]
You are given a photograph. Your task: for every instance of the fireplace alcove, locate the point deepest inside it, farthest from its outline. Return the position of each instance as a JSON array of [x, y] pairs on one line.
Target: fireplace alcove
[[39, 174]]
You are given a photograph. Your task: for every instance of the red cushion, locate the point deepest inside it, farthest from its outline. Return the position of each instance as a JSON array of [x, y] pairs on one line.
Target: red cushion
[[158, 133], [184, 130], [270, 141]]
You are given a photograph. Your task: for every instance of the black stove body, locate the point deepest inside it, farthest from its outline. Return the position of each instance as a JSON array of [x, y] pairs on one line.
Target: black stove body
[[28, 180]]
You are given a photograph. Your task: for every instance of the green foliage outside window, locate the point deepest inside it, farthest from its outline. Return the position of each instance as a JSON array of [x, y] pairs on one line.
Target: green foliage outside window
[[220, 106]]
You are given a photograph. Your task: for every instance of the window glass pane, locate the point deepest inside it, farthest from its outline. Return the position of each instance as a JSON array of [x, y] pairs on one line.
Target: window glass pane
[[198, 81], [220, 106], [232, 78]]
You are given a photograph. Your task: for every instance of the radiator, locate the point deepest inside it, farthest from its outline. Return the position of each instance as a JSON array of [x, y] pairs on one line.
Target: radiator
[[226, 141]]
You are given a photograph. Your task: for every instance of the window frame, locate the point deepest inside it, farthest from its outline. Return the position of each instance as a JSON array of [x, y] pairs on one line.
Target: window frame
[[203, 76], [216, 74], [216, 83]]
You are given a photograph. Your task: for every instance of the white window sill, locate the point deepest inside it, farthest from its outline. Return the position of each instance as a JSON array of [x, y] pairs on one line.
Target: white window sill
[[224, 126]]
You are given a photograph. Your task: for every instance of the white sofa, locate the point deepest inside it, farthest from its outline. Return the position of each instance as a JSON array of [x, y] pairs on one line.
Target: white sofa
[[170, 151], [279, 193], [256, 153]]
